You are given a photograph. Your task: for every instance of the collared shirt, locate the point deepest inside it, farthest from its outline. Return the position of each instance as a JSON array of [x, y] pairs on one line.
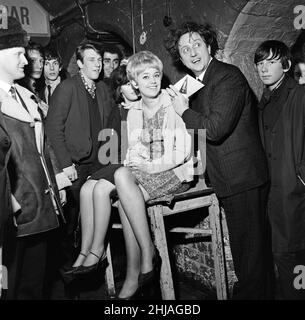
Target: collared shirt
[[90, 89], [53, 86], [200, 77], [6, 87]]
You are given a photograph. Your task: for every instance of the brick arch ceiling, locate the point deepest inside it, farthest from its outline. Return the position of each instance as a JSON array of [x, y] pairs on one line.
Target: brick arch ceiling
[[259, 21]]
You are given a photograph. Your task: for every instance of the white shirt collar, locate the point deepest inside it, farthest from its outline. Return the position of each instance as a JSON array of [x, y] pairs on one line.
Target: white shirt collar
[[5, 86], [53, 84], [200, 77]]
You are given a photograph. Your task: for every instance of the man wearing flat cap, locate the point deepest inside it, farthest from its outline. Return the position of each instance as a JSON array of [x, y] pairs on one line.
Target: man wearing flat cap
[[31, 165]]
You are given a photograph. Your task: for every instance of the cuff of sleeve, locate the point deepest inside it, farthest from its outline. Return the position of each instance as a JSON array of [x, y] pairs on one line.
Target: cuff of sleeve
[[62, 181], [190, 119], [15, 204]]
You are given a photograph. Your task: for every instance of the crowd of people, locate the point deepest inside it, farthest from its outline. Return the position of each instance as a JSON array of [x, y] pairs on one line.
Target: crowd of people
[[55, 173]]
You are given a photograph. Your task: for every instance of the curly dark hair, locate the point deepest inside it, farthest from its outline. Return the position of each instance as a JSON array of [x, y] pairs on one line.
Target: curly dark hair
[[205, 30]]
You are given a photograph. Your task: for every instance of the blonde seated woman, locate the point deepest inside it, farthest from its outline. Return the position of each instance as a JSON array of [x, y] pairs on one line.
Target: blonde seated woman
[[158, 164]]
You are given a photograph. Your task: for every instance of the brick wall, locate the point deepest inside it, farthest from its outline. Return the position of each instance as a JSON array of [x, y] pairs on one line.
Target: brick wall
[[194, 260]]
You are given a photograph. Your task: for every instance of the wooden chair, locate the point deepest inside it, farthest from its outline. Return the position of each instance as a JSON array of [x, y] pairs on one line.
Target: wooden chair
[[198, 197]]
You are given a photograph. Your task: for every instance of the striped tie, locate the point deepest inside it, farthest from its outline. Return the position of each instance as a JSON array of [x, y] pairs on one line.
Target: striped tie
[[13, 93]]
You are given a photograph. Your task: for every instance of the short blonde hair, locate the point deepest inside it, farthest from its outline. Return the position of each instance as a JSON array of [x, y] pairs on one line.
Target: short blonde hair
[[141, 60]]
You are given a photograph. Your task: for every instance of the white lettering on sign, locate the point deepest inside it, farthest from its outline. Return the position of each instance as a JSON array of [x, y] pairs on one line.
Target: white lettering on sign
[[299, 20], [22, 14]]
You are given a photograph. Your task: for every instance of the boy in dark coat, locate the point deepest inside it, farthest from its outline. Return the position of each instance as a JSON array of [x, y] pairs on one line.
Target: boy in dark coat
[[281, 121]]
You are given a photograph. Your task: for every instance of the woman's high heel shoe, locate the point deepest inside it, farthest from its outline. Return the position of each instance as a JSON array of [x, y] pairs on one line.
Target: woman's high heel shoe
[[149, 281], [102, 262], [73, 269], [146, 278]]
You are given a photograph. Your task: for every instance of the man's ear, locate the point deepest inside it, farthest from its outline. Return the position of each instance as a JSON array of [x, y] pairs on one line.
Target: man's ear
[[287, 69], [134, 84], [80, 64]]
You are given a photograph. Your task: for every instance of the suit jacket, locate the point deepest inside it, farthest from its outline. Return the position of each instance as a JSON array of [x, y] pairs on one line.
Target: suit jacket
[[283, 137], [225, 107], [68, 123], [5, 144], [30, 166]]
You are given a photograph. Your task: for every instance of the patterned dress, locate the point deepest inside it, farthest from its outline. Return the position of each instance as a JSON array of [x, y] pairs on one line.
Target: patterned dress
[[163, 184]]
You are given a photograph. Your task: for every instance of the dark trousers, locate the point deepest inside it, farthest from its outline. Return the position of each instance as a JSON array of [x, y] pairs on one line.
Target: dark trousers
[[286, 263], [27, 270], [250, 243], [68, 232]]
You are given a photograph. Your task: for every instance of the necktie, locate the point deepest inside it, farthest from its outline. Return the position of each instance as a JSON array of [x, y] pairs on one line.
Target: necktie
[[49, 94], [13, 93]]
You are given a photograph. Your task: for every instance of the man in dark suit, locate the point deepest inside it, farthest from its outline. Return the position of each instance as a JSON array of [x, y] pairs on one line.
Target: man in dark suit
[[52, 74], [79, 110], [236, 163]]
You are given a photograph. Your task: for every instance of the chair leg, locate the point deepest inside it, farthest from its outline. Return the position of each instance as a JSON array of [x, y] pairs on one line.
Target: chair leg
[[109, 278], [218, 249], [158, 230]]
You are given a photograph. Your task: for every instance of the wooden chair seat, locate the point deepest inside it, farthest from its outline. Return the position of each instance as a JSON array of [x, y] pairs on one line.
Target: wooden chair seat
[[158, 209]]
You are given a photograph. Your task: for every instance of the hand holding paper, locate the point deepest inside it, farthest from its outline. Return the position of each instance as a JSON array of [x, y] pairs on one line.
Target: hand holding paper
[[181, 91], [188, 85]]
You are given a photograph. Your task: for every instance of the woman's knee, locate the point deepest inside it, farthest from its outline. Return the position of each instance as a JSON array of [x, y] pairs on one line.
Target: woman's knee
[[102, 188], [123, 175], [87, 188]]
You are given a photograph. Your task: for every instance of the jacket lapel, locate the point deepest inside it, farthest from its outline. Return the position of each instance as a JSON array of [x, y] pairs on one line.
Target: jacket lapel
[[198, 96], [100, 102], [83, 103]]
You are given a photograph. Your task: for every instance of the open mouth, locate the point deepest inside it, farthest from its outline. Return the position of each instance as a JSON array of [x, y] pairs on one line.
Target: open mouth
[[195, 61]]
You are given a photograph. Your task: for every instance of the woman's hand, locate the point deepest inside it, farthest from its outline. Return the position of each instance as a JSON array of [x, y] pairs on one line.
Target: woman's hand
[[146, 167], [180, 102]]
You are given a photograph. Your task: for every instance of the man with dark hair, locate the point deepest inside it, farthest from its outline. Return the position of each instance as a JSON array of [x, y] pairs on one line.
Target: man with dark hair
[[34, 69], [236, 163], [79, 110], [51, 73], [112, 57], [33, 72], [281, 120], [31, 166]]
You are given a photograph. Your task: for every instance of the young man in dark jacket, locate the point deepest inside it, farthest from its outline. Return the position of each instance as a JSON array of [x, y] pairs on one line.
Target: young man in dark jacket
[[281, 123], [79, 110]]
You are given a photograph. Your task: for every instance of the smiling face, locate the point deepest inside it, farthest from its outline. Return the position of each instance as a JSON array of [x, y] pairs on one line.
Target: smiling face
[[271, 71], [91, 65], [194, 53], [12, 62], [110, 62], [51, 69], [148, 82]]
